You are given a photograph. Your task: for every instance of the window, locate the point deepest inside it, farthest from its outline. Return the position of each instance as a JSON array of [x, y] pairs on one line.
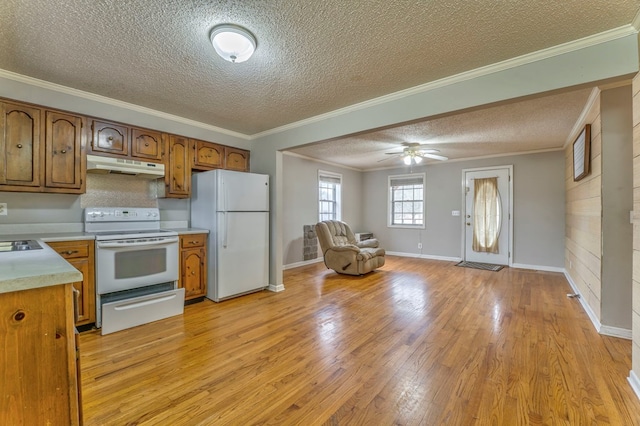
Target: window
[[406, 201], [329, 196]]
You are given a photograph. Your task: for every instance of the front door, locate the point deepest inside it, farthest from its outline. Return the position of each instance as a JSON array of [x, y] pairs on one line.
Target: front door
[[486, 218]]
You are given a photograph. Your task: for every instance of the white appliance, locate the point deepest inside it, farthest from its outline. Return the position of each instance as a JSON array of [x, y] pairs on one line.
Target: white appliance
[[136, 267], [234, 207], [125, 166]]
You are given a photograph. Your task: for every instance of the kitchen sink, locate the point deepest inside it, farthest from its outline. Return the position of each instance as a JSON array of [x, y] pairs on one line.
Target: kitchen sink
[[19, 245]]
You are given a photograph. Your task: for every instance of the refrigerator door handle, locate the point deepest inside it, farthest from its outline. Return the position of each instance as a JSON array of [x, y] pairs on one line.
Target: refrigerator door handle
[[224, 229], [225, 197]]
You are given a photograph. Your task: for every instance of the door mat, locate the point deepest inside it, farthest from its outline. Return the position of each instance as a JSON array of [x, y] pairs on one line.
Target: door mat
[[476, 265]]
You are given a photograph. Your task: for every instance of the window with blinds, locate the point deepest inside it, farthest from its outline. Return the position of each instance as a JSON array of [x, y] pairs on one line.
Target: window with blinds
[[406, 200], [329, 196]]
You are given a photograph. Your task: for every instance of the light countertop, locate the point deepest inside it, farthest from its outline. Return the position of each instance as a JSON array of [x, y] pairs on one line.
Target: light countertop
[[49, 236], [24, 270]]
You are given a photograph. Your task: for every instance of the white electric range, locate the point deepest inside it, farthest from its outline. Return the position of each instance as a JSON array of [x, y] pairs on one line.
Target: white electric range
[[136, 267]]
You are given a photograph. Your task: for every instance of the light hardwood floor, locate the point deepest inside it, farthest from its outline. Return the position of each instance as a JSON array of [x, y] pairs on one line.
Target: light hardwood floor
[[418, 342]]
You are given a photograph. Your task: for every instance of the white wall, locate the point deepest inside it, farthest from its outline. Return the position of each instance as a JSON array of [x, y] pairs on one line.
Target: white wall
[[300, 198], [538, 209]]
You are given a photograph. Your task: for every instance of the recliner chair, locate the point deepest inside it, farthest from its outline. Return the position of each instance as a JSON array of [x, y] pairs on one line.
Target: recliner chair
[[343, 254]]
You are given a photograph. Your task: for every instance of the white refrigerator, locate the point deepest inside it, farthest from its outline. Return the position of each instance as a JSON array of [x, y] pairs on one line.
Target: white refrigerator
[[234, 207]]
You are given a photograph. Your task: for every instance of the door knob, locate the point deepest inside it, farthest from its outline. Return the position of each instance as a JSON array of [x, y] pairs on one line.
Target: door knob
[[468, 223]]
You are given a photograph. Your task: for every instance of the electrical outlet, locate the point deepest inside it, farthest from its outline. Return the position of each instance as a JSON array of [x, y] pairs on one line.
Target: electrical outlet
[[419, 246], [3, 209]]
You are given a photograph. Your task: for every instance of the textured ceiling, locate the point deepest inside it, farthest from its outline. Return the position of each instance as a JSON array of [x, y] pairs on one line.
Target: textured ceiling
[[313, 56], [529, 125]]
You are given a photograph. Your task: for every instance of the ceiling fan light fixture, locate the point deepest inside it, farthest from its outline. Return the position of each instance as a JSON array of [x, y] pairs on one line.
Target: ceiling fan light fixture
[[407, 160], [417, 159], [232, 42]]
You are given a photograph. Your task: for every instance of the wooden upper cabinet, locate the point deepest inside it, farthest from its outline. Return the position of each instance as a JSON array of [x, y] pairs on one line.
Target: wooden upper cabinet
[[109, 138], [207, 155], [236, 159], [146, 144], [177, 176], [64, 158], [21, 146]]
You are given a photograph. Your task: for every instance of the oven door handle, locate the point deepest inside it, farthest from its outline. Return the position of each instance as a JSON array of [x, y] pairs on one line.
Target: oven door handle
[[109, 244]]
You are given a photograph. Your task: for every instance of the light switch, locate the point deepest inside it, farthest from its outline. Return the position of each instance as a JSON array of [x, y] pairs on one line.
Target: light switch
[[455, 213]]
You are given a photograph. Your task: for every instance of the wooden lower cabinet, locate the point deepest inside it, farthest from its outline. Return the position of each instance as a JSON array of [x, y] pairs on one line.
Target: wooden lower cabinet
[[38, 373], [193, 265], [81, 254]]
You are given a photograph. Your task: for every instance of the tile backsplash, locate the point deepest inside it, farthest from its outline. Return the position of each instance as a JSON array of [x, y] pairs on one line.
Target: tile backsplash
[[113, 190]]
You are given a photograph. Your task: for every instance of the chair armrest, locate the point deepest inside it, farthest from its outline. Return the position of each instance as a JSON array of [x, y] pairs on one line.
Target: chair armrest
[[371, 243], [344, 248]]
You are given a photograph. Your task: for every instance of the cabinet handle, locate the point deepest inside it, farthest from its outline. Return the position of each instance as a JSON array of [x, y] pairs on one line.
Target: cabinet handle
[[193, 272], [110, 138], [64, 151], [194, 242], [69, 252], [146, 144], [19, 145]]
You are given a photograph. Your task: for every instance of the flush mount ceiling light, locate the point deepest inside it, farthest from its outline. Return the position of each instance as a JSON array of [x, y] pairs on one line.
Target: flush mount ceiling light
[[232, 42]]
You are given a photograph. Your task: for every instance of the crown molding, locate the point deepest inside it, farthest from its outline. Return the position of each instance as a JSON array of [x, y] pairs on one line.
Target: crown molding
[[539, 55], [581, 121], [9, 75]]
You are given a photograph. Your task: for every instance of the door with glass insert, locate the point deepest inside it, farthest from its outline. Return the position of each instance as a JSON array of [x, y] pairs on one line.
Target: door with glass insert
[[486, 219]]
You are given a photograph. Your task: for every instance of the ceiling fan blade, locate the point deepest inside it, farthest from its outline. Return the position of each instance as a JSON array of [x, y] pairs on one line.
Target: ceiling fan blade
[[435, 157]]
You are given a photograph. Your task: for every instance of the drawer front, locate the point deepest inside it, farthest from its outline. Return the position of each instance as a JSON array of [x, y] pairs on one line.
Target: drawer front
[[71, 249], [140, 310], [193, 240]]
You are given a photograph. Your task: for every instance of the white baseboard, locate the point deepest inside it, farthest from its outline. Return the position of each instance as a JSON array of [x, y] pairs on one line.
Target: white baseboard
[[634, 382], [424, 256], [276, 288], [302, 263], [606, 330], [592, 316], [623, 333], [538, 267]]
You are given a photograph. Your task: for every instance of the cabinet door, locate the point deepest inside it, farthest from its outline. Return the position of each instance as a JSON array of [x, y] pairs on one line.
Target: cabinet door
[[146, 144], [178, 170], [38, 375], [110, 138], [207, 155], [81, 255], [86, 310], [21, 147], [63, 147], [194, 276], [236, 159]]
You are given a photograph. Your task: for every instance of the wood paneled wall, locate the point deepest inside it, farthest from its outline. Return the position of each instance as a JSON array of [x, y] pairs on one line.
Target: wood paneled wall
[[636, 226], [583, 224]]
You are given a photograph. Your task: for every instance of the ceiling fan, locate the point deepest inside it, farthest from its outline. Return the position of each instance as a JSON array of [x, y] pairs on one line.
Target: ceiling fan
[[412, 154]]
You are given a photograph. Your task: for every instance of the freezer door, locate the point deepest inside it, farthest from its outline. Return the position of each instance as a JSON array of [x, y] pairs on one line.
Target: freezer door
[[242, 192], [242, 253]]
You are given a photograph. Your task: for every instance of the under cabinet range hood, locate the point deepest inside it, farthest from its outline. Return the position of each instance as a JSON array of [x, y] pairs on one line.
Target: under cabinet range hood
[[125, 166]]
